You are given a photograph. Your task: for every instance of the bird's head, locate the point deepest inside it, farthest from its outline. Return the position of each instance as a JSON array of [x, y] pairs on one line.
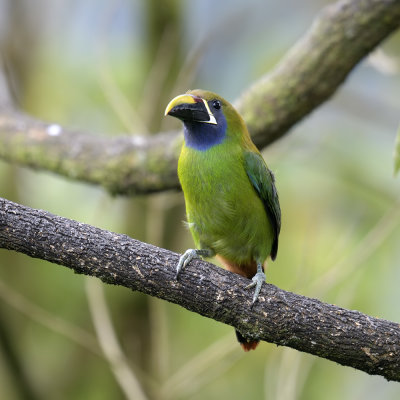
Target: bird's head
[[207, 118]]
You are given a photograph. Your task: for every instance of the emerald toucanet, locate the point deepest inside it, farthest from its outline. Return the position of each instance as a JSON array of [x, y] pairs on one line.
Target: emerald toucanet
[[231, 200]]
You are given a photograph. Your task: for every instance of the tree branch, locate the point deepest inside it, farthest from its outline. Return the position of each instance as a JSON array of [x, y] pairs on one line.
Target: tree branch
[[347, 337], [122, 165], [309, 74], [313, 69]]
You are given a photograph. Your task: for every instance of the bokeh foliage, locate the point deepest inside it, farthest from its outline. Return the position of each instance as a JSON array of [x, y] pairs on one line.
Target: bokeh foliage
[[111, 67]]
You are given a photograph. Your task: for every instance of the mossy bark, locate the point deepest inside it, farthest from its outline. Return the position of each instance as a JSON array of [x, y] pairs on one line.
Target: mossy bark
[[122, 165], [314, 68]]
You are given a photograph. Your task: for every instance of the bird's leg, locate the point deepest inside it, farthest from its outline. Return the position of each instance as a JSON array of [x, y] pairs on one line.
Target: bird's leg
[[189, 255], [257, 281]]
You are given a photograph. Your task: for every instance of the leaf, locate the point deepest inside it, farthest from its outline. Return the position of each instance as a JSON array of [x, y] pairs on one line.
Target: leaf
[[397, 153]]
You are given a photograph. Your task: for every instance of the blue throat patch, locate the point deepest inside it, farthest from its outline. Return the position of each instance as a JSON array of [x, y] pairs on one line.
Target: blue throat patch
[[201, 136]]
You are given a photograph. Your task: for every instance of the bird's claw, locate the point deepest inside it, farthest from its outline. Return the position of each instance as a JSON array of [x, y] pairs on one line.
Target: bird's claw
[[257, 281], [184, 260], [189, 255]]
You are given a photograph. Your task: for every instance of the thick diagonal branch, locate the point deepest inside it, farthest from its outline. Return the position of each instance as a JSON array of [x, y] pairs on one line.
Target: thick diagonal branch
[[307, 76], [313, 69], [347, 337]]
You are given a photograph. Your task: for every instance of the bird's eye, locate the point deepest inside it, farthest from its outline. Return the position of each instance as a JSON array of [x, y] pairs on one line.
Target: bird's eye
[[216, 104]]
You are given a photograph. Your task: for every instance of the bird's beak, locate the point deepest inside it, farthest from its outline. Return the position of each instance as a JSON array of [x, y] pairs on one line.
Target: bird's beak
[[190, 108]]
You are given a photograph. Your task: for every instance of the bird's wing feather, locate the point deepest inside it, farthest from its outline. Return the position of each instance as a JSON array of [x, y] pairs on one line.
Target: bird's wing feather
[[264, 183]]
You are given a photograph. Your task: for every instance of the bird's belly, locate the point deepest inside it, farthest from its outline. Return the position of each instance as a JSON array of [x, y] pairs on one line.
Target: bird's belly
[[234, 227], [224, 212]]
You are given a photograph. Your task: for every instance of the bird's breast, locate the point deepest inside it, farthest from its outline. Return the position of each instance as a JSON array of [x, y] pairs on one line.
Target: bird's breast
[[223, 210]]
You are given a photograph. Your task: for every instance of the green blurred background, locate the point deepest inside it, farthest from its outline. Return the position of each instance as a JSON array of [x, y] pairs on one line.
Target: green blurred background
[[111, 67]]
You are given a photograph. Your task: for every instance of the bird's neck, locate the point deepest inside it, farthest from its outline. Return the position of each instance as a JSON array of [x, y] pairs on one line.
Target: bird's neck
[[201, 136]]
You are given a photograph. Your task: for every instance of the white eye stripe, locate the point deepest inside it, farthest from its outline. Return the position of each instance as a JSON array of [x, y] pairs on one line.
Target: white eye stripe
[[211, 115]]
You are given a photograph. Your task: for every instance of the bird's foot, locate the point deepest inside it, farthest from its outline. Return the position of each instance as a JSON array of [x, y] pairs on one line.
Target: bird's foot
[[188, 256], [257, 281]]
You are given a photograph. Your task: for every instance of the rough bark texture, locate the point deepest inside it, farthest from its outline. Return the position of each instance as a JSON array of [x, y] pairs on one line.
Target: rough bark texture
[[347, 337], [311, 72]]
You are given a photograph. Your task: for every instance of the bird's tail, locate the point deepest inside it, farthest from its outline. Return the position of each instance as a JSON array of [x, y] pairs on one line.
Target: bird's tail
[[247, 270], [247, 344]]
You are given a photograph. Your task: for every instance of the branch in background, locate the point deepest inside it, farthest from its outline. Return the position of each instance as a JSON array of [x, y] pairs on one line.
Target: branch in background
[[342, 35], [15, 366], [108, 341], [339, 38], [123, 165], [347, 337]]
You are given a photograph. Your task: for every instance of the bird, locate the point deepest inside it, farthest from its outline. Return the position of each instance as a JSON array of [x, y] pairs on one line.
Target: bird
[[232, 204]]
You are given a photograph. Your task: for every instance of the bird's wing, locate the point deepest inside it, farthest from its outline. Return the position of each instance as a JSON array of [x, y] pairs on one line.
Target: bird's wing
[[264, 183]]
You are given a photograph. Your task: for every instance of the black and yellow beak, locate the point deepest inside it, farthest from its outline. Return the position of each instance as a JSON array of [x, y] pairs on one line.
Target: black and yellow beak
[[187, 107]]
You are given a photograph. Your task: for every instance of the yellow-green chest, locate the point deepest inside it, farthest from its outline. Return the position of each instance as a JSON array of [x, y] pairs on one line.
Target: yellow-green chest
[[224, 212]]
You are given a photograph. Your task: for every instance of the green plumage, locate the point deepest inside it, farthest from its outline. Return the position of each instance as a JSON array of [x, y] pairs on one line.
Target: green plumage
[[231, 202]]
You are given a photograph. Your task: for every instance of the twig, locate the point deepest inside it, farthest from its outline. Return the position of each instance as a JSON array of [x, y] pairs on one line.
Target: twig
[[51, 321], [127, 380]]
